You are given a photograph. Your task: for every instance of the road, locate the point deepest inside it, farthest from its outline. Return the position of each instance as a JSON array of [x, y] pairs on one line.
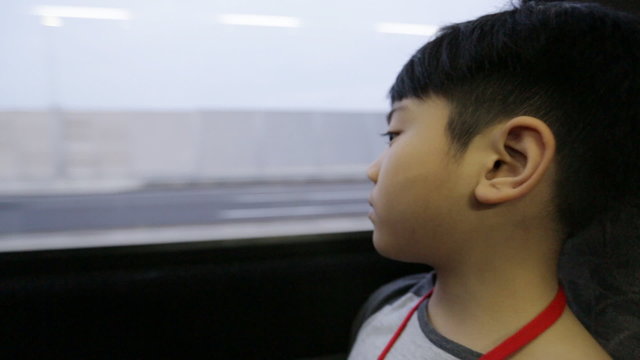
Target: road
[[163, 208]]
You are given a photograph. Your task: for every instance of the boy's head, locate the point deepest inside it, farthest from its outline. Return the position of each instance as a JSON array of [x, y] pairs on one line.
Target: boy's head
[[570, 71], [573, 67]]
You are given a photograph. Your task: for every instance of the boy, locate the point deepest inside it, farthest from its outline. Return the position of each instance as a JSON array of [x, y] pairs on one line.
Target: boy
[[508, 135]]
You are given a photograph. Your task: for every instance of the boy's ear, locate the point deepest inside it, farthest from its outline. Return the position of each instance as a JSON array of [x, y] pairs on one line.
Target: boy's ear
[[521, 151]]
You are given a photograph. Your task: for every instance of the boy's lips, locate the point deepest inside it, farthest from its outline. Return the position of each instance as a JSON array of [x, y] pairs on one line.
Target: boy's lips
[[371, 212], [372, 217]]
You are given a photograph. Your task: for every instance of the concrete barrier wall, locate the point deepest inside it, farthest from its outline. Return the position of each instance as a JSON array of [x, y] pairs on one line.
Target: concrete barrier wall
[[27, 146], [67, 150]]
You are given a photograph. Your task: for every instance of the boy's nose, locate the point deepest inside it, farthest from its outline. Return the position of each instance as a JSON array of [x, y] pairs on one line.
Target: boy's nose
[[372, 171]]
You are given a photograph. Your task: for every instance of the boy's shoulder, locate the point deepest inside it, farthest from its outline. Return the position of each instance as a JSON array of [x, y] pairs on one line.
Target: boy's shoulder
[[567, 339], [418, 284]]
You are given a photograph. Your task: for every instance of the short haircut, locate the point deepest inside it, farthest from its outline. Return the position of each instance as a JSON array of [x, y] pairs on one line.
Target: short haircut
[[575, 66]]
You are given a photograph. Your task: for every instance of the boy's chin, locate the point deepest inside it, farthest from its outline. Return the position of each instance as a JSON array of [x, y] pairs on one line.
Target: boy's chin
[[386, 247]]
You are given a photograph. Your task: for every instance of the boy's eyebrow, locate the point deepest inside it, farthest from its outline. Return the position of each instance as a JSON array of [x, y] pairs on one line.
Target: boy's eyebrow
[[390, 114]]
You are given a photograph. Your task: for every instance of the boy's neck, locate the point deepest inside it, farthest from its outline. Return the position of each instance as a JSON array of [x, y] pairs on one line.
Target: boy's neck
[[482, 303]]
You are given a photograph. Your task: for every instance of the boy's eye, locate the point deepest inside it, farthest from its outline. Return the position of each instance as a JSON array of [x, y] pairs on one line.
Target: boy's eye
[[391, 135]]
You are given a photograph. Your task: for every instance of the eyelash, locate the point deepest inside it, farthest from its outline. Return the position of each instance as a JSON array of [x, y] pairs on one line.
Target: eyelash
[[391, 135]]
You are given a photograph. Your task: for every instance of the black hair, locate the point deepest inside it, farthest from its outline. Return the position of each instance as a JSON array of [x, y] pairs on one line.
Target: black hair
[[574, 66]]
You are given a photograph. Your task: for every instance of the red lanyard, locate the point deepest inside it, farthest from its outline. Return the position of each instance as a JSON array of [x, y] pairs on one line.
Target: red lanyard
[[515, 342]]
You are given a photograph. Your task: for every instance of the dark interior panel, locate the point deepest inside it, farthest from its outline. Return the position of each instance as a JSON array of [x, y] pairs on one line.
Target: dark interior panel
[[284, 298]]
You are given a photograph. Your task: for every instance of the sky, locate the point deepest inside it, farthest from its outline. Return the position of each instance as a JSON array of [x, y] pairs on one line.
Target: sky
[[163, 55]]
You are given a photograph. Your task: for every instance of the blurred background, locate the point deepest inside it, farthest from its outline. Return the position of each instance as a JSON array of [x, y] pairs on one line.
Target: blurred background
[[144, 121]]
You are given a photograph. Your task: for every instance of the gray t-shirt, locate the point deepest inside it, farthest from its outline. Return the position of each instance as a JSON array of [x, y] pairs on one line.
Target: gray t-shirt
[[385, 311]]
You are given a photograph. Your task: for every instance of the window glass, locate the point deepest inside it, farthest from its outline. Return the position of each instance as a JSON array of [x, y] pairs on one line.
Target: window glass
[[134, 122]]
